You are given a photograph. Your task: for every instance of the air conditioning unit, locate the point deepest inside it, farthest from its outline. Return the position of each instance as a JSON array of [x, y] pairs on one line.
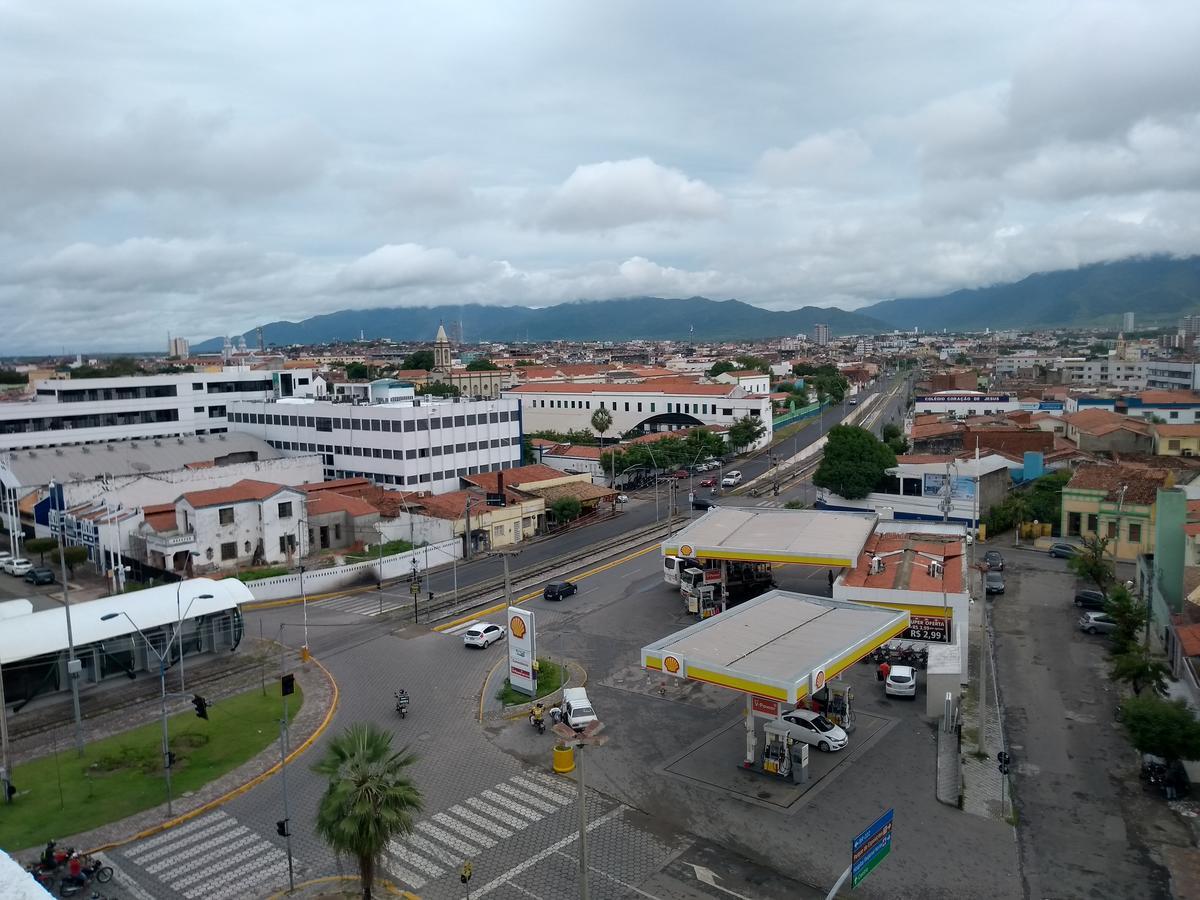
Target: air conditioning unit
[[876, 565], [1188, 453], [935, 570]]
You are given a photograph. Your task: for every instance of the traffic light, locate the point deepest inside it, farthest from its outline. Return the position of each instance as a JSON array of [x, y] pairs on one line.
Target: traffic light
[[465, 875], [201, 706], [281, 828], [287, 684]]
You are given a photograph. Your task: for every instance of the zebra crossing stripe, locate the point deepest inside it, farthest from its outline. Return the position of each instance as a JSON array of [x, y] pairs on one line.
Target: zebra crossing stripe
[[477, 836], [431, 849], [179, 864], [244, 877], [241, 864], [459, 629], [407, 876], [495, 813], [529, 785], [569, 789], [448, 839], [223, 824], [509, 803], [171, 835], [481, 821], [525, 797], [396, 849]]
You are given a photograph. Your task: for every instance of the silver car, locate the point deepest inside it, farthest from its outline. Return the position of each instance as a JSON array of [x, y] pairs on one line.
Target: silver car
[[1097, 623]]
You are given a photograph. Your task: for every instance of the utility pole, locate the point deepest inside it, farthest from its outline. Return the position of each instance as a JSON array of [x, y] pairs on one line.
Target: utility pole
[[74, 666], [5, 772]]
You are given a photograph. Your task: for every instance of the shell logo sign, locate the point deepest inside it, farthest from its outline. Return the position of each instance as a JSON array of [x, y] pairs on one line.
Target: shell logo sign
[[517, 626], [818, 680], [685, 550], [673, 665]]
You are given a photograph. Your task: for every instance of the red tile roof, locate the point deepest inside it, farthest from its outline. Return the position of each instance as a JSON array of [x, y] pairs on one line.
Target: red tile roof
[[1157, 397], [245, 491], [1101, 421], [917, 459], [908, 569], [325, 502], [514, 477], [1189, 639], [1141, 485], [340, 484], [1177, 430], [574, 451]]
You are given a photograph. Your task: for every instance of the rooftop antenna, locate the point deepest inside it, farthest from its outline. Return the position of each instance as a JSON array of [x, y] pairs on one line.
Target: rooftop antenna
[[261, 346]]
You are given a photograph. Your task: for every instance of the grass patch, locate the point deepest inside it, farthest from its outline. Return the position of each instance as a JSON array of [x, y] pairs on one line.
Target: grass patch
[[391, 548], [256, 574], [550, 679], [122, 775]]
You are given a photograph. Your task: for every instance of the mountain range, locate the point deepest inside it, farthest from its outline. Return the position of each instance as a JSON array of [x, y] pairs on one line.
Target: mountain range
[[1158, 289]]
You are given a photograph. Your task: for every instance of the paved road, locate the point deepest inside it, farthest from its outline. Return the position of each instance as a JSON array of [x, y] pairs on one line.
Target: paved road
[[1084, 818]]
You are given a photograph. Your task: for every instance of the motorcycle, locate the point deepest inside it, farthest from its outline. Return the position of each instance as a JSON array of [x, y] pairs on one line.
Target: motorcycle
[[402, 703], [537, 718]]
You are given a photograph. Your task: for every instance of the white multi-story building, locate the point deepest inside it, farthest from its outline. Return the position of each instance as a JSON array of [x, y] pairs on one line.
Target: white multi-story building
[[103, 410], [751, 382], [1127, 322], [821, 334], [1107, 370], [1162, 375], [966, 403], [651, 406], [422, 444]]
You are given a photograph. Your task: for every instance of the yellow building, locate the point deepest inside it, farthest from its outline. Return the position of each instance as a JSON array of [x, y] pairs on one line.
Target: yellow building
[[1177, 440], [1116, 503]]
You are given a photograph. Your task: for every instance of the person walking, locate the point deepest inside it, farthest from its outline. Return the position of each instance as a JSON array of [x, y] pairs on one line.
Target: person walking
[[831, 582], [882, 673]]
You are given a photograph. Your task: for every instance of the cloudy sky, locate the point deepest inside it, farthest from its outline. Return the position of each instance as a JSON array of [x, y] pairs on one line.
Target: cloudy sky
[[199, 169]]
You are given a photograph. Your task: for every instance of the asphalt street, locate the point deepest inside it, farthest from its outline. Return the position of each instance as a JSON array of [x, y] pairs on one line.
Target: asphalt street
[[1088, 828]]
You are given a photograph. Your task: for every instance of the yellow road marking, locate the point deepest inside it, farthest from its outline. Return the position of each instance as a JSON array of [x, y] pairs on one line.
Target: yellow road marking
[[454, 623], [241, 789]]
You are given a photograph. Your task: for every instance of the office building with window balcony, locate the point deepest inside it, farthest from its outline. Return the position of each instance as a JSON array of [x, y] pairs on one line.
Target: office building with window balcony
[[418, 443]]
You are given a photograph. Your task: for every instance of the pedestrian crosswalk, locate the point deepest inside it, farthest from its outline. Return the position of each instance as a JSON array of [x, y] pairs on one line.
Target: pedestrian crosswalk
[[462, 627], [442, 842], [213, 856], [370, 603]]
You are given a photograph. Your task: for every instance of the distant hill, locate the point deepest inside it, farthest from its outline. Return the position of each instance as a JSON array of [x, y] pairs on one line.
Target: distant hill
[[1158, 289], [594, 320]]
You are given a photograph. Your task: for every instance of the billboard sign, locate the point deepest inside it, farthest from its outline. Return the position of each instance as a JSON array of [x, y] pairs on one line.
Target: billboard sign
[[934, 485], [935, 629], [522, 650], [964, 398], [765, 706], [869, 848]]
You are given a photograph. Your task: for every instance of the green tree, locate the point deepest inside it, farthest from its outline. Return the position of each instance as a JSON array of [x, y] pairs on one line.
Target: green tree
[[1093, 564], [1140, 668], [745, 431], [482, 365], [370, 800], [116, 367], [1166, 728], [41, 546], [753, 364], [357, 371], [8, 376], [962, 360], [528, 454], [566, 509], [894, 437], [602, 421], [421, 359], [73, 555], [438, 389], [794, 504], [855, 462], [525, 362], [720, 368], [1129, 613]]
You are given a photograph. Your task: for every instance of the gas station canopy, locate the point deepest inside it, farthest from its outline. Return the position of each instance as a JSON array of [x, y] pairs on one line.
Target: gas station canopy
[[798, 536], [782, 645]]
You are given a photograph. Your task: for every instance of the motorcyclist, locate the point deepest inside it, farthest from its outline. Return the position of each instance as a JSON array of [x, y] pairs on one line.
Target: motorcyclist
[[74, 870], [537, 715]]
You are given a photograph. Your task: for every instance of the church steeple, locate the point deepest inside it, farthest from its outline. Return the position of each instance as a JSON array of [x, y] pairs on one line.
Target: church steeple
[[442, 357]]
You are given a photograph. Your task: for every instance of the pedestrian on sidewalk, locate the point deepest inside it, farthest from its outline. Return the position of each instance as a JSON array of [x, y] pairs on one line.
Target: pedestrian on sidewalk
[[882, 673], [831, 582]]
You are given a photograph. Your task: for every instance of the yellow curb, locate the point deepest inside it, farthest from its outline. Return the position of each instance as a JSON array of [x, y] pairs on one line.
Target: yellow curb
[[241, 789], [524, 715], [454, 623], [330, 879]]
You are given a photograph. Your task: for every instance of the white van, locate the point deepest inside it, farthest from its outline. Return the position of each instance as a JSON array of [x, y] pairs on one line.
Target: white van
[[577, 709], [731, 479]]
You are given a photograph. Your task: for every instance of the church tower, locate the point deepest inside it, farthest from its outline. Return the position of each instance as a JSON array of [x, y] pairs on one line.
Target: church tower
[[441, 352]]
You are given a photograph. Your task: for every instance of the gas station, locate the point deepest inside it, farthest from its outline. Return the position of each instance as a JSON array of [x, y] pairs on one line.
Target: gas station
[[782, 651]]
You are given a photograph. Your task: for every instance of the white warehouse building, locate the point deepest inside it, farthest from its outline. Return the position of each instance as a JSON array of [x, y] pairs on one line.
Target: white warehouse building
[[651, 406], [103, 410], [424, 444], [966, 403]]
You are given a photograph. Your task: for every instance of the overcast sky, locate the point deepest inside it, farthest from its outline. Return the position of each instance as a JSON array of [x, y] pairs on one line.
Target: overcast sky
[[201, 168]]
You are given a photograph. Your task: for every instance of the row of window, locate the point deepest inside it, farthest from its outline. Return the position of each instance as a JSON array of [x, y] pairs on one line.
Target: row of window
[[69, 423], [423, 478], [390, 453], [1133, 529], [702, 409], [329, 424]]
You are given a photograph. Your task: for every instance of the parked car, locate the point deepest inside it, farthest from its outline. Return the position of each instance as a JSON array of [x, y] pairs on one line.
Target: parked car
[[852, 401], [813, 728], [1097, 623], [1090, 600], [901, 682], [556, 590], [993, 582], [731, 479], [40, 575], [681, 473], [483, 634], [709, 482], [994, 560], [4, 554], [701, 503], [1063, 551], [577, 709], [622, 498], [17, 566]]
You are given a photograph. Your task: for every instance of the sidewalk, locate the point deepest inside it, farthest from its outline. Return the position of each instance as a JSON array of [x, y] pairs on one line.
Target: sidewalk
[[985, 792]]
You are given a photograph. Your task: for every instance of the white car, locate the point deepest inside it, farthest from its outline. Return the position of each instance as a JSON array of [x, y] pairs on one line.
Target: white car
[[17, 566], [577, 709], [901, 682], [731, 479], [622, 498], [483, 634], [813, 728]]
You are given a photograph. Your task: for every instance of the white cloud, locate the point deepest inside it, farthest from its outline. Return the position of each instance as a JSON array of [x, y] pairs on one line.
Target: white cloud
[[408, 265], [816, 161], [611, 194]]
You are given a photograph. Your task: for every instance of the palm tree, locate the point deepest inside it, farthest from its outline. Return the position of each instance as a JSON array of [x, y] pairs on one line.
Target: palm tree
[[370, 799], [602, 421]]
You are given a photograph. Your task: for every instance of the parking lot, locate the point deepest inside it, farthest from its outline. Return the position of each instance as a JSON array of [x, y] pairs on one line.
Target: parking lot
[[1088, 829]]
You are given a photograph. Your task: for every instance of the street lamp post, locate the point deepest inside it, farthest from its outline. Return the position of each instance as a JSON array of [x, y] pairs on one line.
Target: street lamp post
[[73, 665], [179, 621], [162, 681]]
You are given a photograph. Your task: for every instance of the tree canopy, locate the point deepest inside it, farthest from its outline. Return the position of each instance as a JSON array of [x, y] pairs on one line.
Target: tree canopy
[[745, 431], [8, 376], [482, 365], [668, 453], [1092, 563], [439, 389], [566, 509], [854, 463], [116, 367], [1166, 728], [420, 359]]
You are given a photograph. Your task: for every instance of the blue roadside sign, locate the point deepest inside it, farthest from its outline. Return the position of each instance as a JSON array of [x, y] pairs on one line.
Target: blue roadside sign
[[869, 848]]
